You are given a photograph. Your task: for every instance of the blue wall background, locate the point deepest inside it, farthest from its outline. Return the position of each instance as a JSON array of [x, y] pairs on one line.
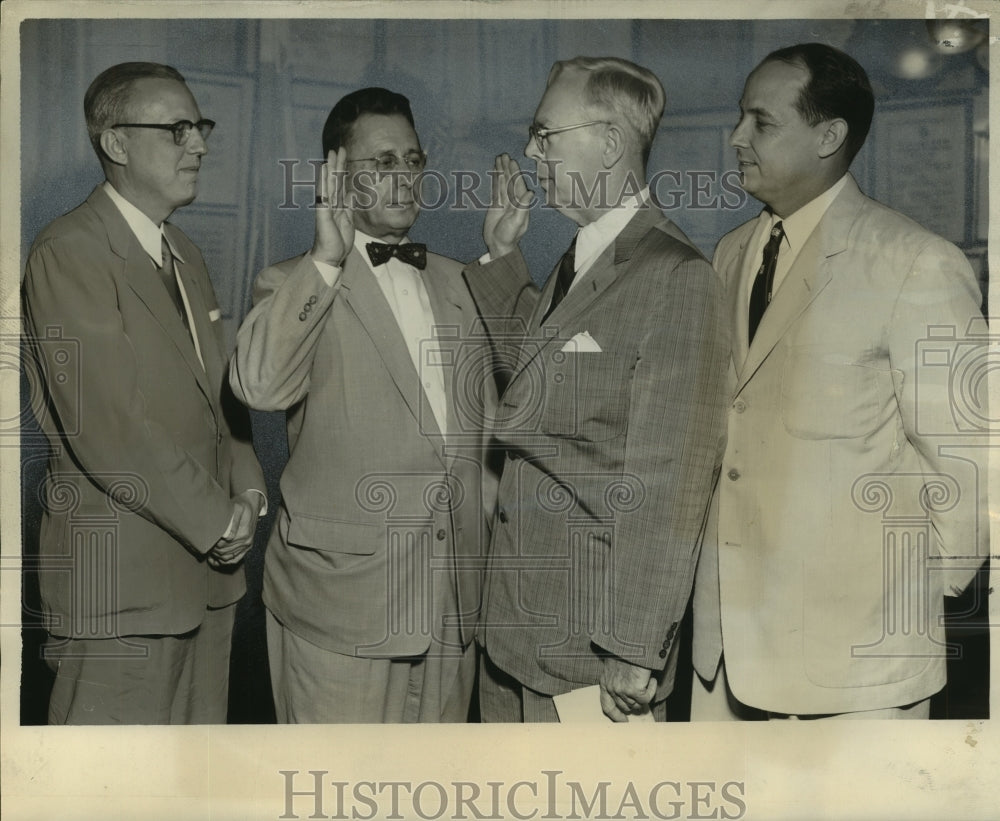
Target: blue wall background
[[474, 85]]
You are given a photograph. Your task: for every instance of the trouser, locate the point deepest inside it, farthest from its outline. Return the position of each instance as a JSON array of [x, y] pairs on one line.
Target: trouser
[[144, 679], [312, 685]]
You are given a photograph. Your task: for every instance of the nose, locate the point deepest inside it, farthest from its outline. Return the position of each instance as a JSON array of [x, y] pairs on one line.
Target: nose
[[196, 143], [531, 149], [737, 139], [405, 177]]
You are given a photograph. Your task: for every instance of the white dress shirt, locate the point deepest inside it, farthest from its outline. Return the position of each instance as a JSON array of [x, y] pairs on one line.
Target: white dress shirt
[[593, 238], [404, 290], [798, 227]]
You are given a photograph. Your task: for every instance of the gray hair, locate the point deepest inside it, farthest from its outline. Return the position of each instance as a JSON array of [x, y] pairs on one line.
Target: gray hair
[[630, 91]]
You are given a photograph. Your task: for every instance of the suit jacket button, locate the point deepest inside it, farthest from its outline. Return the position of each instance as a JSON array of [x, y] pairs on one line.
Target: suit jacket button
[[441, 534], [302, 317], [503, 516], [662, 654], [307, 307], [739, 406], [312, 299], [734, 474]]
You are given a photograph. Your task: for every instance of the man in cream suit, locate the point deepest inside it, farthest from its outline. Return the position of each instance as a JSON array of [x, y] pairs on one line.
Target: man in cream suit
[[152, 497], [853, 491], [611, 417], [372, 578]]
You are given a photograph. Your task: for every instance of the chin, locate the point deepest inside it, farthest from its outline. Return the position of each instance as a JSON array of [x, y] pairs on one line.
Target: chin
[[186, 200], [404, 223]]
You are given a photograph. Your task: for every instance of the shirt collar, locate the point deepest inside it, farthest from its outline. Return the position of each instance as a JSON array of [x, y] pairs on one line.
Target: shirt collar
[[149, 234], [799, 226], [594, 237]]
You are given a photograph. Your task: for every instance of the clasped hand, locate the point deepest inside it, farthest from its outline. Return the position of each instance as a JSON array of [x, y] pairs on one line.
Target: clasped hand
[[626, 689], [228, 552]]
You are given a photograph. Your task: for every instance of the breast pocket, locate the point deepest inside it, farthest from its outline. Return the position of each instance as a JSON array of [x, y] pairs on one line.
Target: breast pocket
[[336, 536], [826, 395], [586, 394]]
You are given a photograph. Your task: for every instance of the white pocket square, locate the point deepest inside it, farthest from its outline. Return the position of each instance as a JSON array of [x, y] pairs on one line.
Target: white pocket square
[[583, 342], [214, 315]]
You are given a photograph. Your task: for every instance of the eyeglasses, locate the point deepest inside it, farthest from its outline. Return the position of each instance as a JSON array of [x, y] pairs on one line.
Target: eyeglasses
[[415, 161], [539, 133], [181, 129]]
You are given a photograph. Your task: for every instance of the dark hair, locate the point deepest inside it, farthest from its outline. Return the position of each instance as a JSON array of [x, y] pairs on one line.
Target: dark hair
[[837, 88], [345, 113], [107, 99]]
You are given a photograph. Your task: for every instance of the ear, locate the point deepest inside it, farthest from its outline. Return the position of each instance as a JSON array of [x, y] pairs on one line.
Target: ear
[[833, 136], [114, 146], [614, 146]]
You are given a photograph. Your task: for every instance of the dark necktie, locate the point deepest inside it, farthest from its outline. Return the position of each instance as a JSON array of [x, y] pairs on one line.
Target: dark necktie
[[564, 278], [166, 272], [760, 296], [412, 253]]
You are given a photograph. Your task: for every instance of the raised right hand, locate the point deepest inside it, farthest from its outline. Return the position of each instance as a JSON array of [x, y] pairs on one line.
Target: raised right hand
[[507, 218], [334, 223]]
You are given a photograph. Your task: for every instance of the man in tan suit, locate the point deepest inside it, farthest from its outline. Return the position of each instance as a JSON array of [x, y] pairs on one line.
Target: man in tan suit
[[372, 579], [611, 416], [853, 491], [152, 499]]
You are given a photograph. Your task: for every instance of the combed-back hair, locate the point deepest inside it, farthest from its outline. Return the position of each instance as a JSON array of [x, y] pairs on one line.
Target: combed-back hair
[[621, 88], [337, 130]]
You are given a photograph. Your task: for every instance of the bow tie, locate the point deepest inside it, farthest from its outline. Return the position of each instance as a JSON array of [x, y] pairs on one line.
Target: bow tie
[[412, 253]]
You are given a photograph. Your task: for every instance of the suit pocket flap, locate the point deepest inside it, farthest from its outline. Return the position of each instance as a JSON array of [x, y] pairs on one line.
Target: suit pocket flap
[[358, 538]]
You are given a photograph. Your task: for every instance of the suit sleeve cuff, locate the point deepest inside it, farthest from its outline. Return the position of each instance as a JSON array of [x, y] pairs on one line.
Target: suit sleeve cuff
[[330, 273], [263, 500]]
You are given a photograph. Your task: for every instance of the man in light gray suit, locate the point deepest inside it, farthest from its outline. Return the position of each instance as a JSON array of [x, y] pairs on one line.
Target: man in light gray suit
[[853, 492], [372, 579]]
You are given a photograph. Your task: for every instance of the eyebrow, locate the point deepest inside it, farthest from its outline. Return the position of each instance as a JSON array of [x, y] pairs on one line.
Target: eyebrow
[[392, 150], [757, 111]]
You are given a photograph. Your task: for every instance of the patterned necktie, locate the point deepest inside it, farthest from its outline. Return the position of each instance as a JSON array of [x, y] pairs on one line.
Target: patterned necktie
[[564, 278], [412, 253], [760, 296], [166, 272]]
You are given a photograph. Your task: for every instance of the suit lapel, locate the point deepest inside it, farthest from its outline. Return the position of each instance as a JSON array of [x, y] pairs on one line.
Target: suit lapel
[[452, 324], [737, 286], [144, 281], [211, 354], [612, 261], [364, 296], [809, 275]]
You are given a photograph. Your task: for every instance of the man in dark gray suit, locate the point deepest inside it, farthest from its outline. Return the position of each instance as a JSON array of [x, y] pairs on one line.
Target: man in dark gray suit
[[612, 413]]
